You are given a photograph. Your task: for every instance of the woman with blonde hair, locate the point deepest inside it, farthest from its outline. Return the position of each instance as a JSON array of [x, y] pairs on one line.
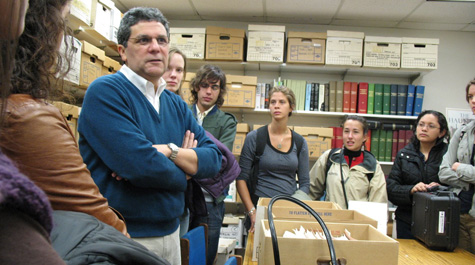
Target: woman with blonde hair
[[176, 71]]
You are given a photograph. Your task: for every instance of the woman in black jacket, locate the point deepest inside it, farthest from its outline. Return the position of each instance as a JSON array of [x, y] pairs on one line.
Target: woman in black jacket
[[416, 166]]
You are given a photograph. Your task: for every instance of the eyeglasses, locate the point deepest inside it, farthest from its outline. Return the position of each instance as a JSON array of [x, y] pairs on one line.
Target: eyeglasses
[[430, 126], [145, 40], [214, 87]]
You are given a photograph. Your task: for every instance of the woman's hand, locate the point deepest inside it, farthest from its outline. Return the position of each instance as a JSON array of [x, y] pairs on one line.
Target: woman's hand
[[455, 166], [419, 187], [252, 216]]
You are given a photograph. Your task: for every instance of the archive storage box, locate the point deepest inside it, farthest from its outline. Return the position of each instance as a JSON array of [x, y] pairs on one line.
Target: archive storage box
[[74, 73], [233, 228], [318, 139], [241, 91], [81, 12], [382, 52], [266, 43], [71, 114], [110, 66], [186, 87], [371, 247], [225, 44], [191, 41], [101, 17], [306, 47], [92, 59], [344, 48], [241, 131], [419, 53]]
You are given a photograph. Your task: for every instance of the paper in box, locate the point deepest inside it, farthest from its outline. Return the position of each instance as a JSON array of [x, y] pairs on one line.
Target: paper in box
[[266, 43], [382, 52], [74, 73], [225, 44], [370, 247], [191, 41], [241, 91], [419, 53], [318, 139], [92, 59], [306, 47], [344, 48], [241, 131]]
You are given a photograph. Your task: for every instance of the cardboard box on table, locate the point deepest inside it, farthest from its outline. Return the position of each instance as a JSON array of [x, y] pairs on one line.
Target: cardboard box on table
[[233, 228], [225, 249], [344, 48], [241, 91], [92, 59], [191, 41], [225, 44], [382, 52], [266, 43], [241, 131], [306, 47], [318, 139], [370, 247], [419, 53]]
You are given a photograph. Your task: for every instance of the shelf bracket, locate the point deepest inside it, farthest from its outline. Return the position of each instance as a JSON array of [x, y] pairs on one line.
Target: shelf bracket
[[343, 75], [414, 78]]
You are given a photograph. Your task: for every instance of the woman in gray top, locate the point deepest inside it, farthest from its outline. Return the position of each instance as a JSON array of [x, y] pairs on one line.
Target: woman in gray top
[[284, 156]]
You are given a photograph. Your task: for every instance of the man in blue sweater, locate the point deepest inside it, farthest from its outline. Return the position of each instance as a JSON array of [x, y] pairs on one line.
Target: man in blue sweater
[[131, 125]]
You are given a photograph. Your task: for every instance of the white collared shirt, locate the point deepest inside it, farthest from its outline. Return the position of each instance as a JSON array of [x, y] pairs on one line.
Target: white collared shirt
[[145, 86], [201, 115]]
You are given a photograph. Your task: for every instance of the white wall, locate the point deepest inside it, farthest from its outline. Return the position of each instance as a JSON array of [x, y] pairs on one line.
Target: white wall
[[445, 87]]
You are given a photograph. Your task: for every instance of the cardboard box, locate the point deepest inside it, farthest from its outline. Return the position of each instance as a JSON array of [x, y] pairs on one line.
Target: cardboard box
[[71, 113], [370, 247], [74, 73], [92, 59], [101, 19], [318, 139], [266, 43], [233, 228], [81, 11], [186, 87], [241, 131], [289, 211], [225, 249], [419, 53], [225, 44], [191, 41], [241, 91], [306, 47], [110, 66], [116, 16], [382, 52], [344, 48]]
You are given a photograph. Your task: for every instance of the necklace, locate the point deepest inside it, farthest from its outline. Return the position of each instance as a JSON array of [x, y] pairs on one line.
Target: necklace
[[279, 145]]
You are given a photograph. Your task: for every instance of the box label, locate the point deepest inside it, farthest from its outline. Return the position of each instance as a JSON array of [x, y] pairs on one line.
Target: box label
[[441, 226], [344, 51]]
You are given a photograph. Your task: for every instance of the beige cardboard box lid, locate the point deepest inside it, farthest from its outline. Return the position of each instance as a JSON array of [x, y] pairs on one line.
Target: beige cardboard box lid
[[242, 128], [383, 39], [241, 80], [111, 63], [187, 30], [345, 34], [312, 204], [238, 33], [266, 28], [420, 40], [93, 50], [314, 131], [67, 109], [307, 35]]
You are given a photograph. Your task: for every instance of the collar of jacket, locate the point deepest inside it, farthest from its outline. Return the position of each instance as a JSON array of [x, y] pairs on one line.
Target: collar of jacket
[[369, 161]]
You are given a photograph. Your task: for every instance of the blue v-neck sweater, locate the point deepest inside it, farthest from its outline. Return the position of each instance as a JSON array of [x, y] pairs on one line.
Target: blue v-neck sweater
[[117, 128]]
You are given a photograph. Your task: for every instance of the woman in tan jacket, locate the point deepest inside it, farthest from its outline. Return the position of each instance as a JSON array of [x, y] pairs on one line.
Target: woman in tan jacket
[[35, 134]]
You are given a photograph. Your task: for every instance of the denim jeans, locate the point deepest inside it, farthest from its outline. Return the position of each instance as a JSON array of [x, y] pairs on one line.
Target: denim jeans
[[214, 220]]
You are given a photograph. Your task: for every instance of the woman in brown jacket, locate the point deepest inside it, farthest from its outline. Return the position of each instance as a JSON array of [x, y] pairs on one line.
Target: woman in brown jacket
[[35, 134]]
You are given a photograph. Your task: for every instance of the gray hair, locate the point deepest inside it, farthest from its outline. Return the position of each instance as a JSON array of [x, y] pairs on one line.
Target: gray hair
[[136, 15]]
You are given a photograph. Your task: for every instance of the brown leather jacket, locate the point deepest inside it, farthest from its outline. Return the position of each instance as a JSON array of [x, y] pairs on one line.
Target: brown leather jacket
[[38, 139]]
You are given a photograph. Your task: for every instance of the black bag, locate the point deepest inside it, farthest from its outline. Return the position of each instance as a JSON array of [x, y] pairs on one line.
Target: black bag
[[436, 219]]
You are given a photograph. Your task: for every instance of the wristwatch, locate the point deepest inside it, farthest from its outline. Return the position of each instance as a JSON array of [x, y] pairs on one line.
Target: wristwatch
[[174, 149]]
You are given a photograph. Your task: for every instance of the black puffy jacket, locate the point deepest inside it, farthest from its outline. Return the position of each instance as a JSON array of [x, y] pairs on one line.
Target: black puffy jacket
[[408, 170]]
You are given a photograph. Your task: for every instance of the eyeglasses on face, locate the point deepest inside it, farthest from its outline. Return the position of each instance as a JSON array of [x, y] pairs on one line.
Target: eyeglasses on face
[[430, 126], [145, 40], [214, 87]]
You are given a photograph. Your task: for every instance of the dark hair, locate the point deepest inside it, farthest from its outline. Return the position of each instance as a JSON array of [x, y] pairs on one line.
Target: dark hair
[[472, 82], [136, 15], [38, 61], [171, 52], [288, 93], [362, 120], [208, 72], [442, 123]]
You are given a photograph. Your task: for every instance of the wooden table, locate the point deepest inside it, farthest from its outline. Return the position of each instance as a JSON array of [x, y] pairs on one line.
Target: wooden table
[[410, 252]]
